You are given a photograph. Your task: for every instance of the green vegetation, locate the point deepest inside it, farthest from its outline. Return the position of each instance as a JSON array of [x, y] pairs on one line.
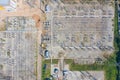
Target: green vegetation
[[117, 41], [45, 73], [54, 61], [46, 67], [69, 61], [36, 62], [116, 34], [35, 71], [1, 66], [108, 66]]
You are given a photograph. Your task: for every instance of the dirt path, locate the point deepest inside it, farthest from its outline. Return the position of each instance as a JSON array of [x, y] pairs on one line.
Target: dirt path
[[39, 63]]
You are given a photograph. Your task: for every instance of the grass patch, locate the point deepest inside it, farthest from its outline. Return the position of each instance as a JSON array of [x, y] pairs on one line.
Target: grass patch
[[54, 61], [108, 66], [46, 70], [69, 61], [117, 41]]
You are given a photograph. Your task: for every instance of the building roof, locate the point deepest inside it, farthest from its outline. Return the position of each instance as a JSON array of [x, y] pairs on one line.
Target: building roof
[[4, 2]]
